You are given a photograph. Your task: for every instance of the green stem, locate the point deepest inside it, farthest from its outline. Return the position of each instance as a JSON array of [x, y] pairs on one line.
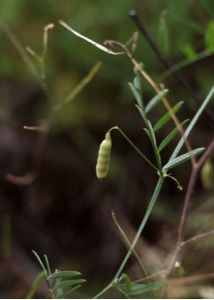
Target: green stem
[[136, 148], [137, 236], [185, 63], [142, 225]]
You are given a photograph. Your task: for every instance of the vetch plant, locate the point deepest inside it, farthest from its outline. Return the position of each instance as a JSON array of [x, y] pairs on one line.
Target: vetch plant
[[60, 284], [161, 168], [58, 281]]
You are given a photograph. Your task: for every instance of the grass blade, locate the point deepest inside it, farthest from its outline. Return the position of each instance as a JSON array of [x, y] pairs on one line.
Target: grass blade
[[40, 262], [170, 137], [182, 158], [155, 100], [192, 124], [167, 117], [78, 88], [39, 278], [163, 34]]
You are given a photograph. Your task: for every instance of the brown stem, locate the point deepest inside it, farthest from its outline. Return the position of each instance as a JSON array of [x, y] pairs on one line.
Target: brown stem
[[184, 214], [156, 88], [165, 61], [197, 237], [191, 279]]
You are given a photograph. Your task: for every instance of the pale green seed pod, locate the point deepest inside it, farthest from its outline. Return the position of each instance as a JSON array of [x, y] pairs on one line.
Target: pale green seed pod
[[103, 158], [207, 175]]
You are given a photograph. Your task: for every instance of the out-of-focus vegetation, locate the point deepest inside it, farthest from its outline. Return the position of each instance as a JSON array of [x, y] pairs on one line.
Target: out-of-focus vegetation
[[51, 200]]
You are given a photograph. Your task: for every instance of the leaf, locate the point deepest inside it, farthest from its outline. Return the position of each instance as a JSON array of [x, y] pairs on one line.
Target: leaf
[[143, 115], [151, 135], [163, 34], [39, 278], [209, 36], [40, 262], [189, 51], [170, 137], [64, 274], [70, 291], [182, 158], [48, 264], [139, 288], [192, 123], [155, 100], [137, 84], [166, 117], [136, 94], [68, 283]]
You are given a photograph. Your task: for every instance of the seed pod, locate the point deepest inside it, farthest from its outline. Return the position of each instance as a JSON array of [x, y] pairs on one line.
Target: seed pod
[[103, 158], [207, 175]]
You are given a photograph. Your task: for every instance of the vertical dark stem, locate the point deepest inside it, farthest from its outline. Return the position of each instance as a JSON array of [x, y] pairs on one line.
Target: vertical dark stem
[[185, 209], [165, 61]]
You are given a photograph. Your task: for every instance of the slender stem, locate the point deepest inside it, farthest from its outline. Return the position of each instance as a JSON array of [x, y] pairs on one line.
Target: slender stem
[[197, 237], [185, 62], [108, 287], [136, 148], [137, 236], [192, 124], [142, 225], [184, 214], [173, 68], [127, 242], [158, 90], [22, 52], [191, 279]]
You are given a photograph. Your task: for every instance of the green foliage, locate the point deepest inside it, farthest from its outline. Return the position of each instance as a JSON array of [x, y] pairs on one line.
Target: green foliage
[[155, 100], [167, 116], [133, 289], [39, 279], [182, 158], [207, 175], [163, 34], [209, 36], [189, 51], [68, 56], [170, 136], [59, 283]]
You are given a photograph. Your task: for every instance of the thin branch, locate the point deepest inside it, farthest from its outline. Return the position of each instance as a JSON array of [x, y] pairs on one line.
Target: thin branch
[[186, 62], [165, 61], [197, 237], [206, 154], [126, 240], [191, 279], [22, 52], [138, 68], [101, 47], [158, 274], [184, 214], [158, 90]]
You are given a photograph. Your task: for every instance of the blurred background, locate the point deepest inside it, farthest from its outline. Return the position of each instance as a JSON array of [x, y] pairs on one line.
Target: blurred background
[[50, 198]]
